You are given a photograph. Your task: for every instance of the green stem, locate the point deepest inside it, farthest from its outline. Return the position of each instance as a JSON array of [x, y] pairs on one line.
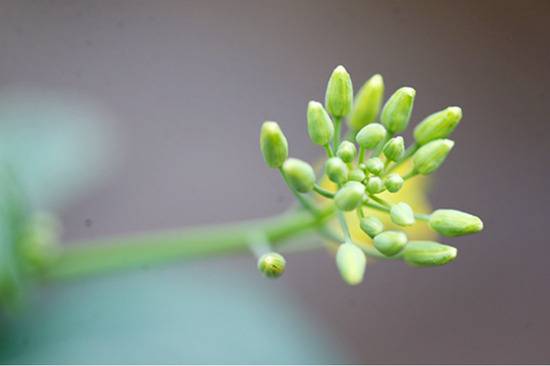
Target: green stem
[[302, 199], [379, 207], [323, 192], [344, 224], [410, 175], [337, 128], [328, 149], [361, 154], [107, 255]]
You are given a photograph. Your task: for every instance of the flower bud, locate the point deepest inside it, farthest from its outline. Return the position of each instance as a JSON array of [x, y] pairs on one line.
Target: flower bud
[[375, 185], [393, 182], [367, 103], [336, 170], [371, 135], [397, 110], [428, 254], [438, 125], [394, 148], [357, 175], [299, 174], [319, 124], [402, 214], [390, 243], [351, 263], [273, 144], [429, 157], [346, 151], [350, 196], [455, 223], [272, 265], [339, 95], [371, 225], [375, 166]]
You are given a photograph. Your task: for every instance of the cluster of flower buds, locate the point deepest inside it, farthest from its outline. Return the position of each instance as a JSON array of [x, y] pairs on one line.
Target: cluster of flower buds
[[363, 165]]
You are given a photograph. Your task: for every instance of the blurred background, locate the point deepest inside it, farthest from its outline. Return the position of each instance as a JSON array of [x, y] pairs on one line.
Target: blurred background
[[186, 85]]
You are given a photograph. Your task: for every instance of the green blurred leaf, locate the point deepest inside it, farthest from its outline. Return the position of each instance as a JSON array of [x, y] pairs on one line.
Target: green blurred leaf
[[56, 144]]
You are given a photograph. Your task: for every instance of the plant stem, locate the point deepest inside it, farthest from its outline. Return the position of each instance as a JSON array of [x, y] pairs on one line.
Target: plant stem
[[107, 255], [337, 128], [328, 149], [376, 206], [323, 192], [361, 155]]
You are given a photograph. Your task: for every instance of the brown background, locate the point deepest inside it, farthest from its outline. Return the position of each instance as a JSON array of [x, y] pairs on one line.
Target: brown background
[[190, 82]]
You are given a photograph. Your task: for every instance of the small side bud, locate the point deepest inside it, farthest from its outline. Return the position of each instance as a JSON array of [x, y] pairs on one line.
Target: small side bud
[[375, 185], [272, 265], [397, 110], [273, 144], [375, 166], [299, 174], [428, 254], [367, 103], [402, 214], [346, 151], [371, 225], [351, 263], [339, 95], [319, 124], [371, 135], [336, 170], [438, 125], [350, 196], [390, 242], [394, 148], [455, 223], [393, 182], [430, 156], [357, 175]]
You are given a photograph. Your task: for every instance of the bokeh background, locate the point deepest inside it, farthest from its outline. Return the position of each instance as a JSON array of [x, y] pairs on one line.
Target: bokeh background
[[188, 83]]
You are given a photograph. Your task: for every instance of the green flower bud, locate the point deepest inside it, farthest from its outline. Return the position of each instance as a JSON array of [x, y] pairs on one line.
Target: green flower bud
[[397, 110], [351, 263], [393, 182], [299, 174], [350, 196], [319, 124], [394, 148], [402, 214], [339, 96], [371, 225], [367, 103], [455, 223], [428, 254], [346, 151], [371, 135], [272, 265], [357, 175], [375, 166], [336, 170], [390, 243], [429, 157], [273, 144], [438, 125], [375, 185]]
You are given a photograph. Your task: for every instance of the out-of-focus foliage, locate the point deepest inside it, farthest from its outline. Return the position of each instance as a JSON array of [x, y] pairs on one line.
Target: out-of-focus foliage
[[203, 312], [55, 144]]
